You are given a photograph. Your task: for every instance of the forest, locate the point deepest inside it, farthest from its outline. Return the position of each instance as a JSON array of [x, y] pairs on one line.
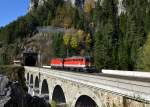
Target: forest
[[115, 33]]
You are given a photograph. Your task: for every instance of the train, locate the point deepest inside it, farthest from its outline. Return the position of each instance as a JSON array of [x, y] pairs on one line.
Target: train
[[76, 63]]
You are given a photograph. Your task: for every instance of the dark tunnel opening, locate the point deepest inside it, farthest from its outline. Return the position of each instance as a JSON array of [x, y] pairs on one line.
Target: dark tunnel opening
[[85, 101], [30, 61]]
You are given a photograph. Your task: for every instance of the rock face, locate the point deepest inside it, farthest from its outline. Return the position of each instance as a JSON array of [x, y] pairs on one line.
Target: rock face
[[19, 98], [4, 90], [12, 94], [35, 3]]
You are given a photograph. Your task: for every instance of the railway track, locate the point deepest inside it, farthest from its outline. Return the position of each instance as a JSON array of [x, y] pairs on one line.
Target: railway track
[[133, 78]]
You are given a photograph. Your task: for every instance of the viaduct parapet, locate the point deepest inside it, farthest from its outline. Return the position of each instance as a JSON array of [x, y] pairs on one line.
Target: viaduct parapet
[[86, 90]]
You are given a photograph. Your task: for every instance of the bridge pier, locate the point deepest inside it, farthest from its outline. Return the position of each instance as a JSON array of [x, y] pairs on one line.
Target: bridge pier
[[27, 83], [31, 89], [36, 91], [45, 97]]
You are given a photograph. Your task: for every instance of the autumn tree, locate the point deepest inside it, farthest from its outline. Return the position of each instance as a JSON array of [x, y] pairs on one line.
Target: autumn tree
[[88, 6]]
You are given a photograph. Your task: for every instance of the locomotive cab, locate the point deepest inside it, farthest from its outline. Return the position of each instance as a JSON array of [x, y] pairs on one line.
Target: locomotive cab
[[89, 62]]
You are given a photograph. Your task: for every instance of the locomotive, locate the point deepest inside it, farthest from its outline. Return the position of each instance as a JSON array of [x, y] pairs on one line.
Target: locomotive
[[76, 63]]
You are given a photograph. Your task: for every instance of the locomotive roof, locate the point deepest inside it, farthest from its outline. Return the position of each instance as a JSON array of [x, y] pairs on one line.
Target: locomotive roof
[[78, 57]]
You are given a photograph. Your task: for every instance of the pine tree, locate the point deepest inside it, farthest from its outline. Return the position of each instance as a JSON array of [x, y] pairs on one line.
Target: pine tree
[[133, 31], [106, 38], [147, 18]]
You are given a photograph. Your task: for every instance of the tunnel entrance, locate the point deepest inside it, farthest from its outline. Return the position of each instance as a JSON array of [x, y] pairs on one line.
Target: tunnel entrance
[[58, 96], [45, 90], [30, 59], [85, 101]]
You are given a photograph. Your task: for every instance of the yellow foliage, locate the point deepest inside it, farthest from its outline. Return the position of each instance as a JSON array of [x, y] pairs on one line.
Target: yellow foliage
[[89, 4], [66, 39], [74, 42], [75, 37], [80, 34]]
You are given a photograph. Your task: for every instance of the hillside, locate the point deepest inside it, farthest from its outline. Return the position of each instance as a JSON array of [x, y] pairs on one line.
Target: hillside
[[113, 32]]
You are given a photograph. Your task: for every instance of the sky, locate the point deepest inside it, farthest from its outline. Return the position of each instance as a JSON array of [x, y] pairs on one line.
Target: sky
[[11, 9]]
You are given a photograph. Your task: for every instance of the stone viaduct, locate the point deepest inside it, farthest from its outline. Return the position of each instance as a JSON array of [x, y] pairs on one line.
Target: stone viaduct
[[84, 90]]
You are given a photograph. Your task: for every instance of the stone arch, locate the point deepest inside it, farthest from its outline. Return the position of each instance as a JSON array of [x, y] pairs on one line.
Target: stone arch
[[45, 90], [36, 85], [28, 77], [85, 101], [90, 94], [58, 96], [31, 79]]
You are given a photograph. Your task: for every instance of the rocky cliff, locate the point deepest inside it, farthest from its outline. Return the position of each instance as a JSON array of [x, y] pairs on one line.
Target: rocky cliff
[[13, 92], [35, 3]]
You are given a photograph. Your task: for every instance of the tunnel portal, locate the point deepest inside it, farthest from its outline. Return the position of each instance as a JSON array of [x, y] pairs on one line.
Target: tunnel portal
[[30, 59]]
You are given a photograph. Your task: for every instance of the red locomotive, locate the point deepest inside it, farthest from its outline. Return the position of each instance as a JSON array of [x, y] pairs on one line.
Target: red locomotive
[[73, 63]]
